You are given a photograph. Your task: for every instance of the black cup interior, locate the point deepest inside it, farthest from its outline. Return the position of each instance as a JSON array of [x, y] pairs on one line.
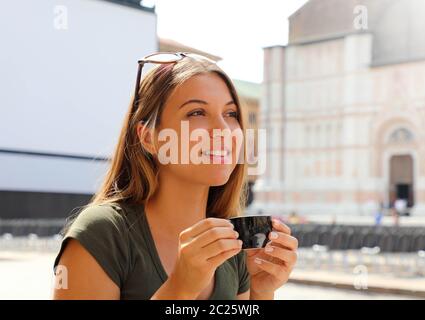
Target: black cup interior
[[253, 230]]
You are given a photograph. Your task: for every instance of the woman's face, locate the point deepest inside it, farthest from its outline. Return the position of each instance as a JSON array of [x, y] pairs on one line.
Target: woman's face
[[202, 103]]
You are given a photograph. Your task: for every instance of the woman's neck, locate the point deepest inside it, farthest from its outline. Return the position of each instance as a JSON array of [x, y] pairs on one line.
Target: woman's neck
[[177, 205]]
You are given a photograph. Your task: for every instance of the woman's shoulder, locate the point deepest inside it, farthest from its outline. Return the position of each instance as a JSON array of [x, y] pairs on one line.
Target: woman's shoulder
[[112, 214], [100, 211], [103, 230]]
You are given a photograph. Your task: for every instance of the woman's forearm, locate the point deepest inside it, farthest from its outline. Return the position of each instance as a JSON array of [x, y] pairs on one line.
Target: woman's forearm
[[261, 296]]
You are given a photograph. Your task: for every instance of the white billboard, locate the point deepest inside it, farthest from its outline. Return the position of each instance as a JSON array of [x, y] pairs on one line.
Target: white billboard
[[67, 71]]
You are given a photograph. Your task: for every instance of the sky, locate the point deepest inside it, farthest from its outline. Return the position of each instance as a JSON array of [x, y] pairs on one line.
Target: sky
[[235, 30]]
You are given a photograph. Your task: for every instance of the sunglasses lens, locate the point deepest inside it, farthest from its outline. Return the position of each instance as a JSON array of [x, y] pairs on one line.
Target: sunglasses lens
[[163, 57]]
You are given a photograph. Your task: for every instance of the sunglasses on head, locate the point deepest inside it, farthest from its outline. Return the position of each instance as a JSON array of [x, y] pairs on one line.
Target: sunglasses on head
[[162, 58]]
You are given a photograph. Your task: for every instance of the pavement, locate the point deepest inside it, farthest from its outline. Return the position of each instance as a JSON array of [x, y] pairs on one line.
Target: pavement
[[29, 275], [26, 275], [413, 287]]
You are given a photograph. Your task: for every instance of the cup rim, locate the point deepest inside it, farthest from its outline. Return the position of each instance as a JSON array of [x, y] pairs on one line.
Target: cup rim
[[252, 216], [259, 248]]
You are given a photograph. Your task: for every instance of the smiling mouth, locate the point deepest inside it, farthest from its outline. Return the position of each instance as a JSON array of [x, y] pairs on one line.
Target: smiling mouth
[[217, 156], [216, 153]]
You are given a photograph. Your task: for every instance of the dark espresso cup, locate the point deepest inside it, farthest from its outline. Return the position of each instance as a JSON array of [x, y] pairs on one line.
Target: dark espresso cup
[[253, 230]]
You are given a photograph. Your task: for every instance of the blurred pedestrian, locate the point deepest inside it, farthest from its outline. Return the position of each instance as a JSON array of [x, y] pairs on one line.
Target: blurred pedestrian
[[400, 205], [379, 214]]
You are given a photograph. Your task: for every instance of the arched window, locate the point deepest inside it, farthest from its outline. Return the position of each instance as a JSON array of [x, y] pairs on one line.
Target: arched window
[[401, 135]]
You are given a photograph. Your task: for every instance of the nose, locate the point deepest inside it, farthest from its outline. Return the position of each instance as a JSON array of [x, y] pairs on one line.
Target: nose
[[218, 124]]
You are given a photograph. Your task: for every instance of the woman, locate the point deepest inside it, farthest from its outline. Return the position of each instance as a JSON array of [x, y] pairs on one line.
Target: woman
[[159, 230]]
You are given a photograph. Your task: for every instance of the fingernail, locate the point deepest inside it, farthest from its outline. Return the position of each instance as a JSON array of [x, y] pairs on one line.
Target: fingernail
[[240, 243], [273, 235], [232, 226], [257, 261], [269, 249], [236, 234]]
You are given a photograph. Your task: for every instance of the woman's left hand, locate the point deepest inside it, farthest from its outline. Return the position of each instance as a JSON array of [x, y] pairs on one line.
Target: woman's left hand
[[271, 266]]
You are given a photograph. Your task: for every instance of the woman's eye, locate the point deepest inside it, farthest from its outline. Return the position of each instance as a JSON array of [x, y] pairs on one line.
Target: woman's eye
[[195, 113], [233, 114]]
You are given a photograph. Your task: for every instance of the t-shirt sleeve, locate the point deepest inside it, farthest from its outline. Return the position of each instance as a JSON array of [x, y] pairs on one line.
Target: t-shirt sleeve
[[102, 231], [244, 276]]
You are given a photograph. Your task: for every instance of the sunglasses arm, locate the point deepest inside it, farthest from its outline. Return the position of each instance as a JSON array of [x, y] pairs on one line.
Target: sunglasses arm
[[136, 90]]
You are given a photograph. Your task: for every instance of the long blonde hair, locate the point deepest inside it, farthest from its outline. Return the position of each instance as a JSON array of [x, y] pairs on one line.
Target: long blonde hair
[[133, 173]]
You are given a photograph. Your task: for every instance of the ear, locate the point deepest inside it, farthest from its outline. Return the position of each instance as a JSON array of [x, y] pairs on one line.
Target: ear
[[144, 133]]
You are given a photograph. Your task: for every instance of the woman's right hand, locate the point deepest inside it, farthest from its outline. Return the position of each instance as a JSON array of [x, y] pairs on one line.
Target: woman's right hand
[[202, 248]]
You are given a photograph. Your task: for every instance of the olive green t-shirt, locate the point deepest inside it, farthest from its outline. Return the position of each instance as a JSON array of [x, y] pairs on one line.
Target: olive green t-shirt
[[118, 236]]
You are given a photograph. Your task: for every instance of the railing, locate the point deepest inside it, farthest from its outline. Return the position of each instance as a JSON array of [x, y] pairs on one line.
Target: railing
[[24, 227], [347, 237], [30, 243], [397, 250]]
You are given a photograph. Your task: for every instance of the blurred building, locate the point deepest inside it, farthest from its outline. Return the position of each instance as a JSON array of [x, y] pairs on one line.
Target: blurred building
[[344, 106], [68, 71]]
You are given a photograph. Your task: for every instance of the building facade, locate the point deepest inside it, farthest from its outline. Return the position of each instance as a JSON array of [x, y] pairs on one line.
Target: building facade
[[344, 110]]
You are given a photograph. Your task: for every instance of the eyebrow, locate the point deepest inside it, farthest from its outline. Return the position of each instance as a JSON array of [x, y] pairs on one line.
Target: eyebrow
[[202, 102]]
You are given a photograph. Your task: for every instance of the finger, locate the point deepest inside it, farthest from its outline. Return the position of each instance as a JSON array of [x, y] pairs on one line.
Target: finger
[[214, 234], [284, 239], [221, 257], [280, 226], [220, 246], [275, 270], [202, 226], [253, 251], [287, 256]]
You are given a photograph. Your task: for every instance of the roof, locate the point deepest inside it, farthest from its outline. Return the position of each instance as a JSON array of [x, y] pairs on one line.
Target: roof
[[174, 46], [397, 26], [247, 90], [136, 4]]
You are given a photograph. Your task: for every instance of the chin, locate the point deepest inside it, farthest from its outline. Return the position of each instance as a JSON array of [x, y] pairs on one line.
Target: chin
[[207, 175], [215, 178], [217, 183]]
